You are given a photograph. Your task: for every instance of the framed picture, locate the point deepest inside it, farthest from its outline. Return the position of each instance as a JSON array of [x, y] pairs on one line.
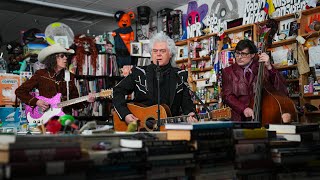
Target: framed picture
[[180, 53], [145, 48], [136, 49]]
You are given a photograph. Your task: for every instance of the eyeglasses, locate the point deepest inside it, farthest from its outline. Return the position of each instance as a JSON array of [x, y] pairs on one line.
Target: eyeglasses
[[61, 55], [162, 51], [242, 54]]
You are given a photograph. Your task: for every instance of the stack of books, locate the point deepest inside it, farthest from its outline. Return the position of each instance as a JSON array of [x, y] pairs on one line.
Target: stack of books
[[213, 145], [252, 155], [40, 156], [299, 153], [164, 159]]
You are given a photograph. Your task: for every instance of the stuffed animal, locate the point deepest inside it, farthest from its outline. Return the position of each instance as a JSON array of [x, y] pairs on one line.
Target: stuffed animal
[[123, 36]]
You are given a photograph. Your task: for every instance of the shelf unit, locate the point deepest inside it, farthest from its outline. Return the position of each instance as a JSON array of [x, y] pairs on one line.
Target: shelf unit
[[299, 81]]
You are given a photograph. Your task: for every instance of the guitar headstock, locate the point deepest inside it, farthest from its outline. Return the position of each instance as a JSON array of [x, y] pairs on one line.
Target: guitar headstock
[[106, 93]]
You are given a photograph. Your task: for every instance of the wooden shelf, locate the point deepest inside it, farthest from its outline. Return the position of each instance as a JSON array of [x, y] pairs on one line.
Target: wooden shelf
[[312, 113], [206, 102], [182, 61], [285, 67], [311, 95], [185, 42], [203, 70], [283, 42], [311, 34], [239, 28], [205, 58], [292, 80], [311, 11], [203, 37], [181, 43]]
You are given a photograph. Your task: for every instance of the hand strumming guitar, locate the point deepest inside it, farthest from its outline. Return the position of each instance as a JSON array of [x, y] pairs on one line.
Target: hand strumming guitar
[[130, 118], [42, 104]]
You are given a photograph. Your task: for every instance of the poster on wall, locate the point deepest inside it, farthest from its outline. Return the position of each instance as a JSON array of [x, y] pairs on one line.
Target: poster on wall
[[8, 84], [259, 10]]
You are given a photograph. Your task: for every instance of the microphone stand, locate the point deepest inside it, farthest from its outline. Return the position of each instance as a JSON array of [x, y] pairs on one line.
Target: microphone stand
[[197, 97], [158, 88]]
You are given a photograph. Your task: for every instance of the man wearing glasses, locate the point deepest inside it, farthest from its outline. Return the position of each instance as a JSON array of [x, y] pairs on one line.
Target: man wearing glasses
[[238, 80], [143, 82]]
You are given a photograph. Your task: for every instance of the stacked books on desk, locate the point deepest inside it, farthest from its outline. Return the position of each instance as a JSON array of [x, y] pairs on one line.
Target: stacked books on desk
[[298, 154], [213, 145], [39, 156]]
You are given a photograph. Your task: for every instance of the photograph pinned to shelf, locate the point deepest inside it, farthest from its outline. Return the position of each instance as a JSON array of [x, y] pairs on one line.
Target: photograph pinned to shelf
[[287, 29], [62, 40], [145, 48], [136, 49]]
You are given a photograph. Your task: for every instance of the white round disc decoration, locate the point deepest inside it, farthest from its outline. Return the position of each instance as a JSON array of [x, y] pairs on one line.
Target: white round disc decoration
[[61, 33]]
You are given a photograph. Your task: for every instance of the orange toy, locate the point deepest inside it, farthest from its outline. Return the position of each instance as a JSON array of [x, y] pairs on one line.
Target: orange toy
[[123, 36]]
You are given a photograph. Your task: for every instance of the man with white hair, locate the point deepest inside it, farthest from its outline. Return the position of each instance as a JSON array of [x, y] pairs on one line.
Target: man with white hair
[[143, 82]]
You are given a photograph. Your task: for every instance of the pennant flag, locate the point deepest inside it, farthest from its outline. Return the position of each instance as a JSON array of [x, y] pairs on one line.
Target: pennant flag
[[269, 7]]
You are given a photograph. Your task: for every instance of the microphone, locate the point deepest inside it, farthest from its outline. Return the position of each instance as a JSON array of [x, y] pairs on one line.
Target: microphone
[[158, 88]]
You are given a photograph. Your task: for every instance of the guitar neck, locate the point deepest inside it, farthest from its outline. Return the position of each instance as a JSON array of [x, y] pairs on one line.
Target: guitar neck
[[179, 119], [76, 100]]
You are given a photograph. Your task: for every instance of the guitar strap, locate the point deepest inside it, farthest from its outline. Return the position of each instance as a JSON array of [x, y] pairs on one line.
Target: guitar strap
[[67, 79]]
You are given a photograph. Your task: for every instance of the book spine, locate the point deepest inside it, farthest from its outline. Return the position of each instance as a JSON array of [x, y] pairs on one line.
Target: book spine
[[25, 170], [242, 149], [46, 154], [250, 134], [209, 134]]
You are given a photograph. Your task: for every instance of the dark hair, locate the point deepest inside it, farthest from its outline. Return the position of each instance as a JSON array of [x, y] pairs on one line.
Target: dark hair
[[50, 62], [243, 44]]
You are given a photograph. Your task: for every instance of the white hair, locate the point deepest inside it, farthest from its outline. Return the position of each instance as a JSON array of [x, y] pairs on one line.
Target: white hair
[[162, 37]]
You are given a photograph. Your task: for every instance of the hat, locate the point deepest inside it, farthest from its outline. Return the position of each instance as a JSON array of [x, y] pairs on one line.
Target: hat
[[53, 49]]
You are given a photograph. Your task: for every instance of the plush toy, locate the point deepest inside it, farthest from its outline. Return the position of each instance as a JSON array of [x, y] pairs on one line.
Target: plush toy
[[123, 36]]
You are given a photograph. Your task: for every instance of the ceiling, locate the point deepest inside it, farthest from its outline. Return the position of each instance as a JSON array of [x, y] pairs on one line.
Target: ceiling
[[80, 15]]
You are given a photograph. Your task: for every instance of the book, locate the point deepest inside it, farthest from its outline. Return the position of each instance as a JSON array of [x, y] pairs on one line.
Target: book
[[36, 168], [301, 137], [199, 125], [242, 149], [294, 128], [45, 154], [250, 134], [138, 143], [7, 137], [36, 145], [198, 134]]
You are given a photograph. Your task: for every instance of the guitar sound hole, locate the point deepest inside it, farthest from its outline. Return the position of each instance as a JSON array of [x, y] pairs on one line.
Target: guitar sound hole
[[150, 122]]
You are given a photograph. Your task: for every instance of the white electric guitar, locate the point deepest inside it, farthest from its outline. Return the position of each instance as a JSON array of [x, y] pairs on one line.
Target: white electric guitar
[[36, 115]]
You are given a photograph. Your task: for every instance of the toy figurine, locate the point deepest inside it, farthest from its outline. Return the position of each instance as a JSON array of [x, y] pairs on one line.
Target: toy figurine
[[123, 36]]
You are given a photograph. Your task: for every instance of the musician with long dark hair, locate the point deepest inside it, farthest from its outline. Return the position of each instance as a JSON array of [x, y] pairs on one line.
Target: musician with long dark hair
[[51, 80]]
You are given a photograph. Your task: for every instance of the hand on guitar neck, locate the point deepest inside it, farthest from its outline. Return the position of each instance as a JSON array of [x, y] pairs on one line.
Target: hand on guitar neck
[[264, 57]]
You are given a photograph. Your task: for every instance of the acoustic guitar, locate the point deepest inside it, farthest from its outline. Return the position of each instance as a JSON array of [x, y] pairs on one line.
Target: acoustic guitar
[[148, 117]]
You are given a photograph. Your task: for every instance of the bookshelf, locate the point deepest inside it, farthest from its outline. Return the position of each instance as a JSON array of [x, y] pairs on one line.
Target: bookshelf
[[294, 80]]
